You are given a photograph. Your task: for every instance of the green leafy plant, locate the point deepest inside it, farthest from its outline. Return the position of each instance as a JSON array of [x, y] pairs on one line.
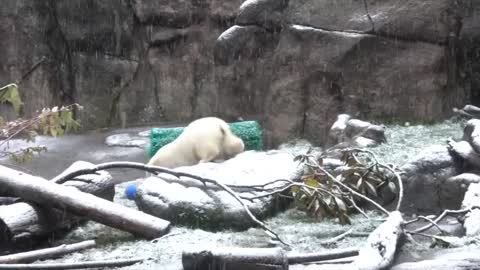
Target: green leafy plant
[[9, 93], [324, 194], [54, 121]]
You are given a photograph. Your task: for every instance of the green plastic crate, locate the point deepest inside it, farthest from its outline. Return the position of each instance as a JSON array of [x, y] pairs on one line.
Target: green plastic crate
[[249, 131]]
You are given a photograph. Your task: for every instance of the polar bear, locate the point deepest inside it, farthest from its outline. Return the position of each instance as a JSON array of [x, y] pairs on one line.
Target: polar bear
[[203, 140]]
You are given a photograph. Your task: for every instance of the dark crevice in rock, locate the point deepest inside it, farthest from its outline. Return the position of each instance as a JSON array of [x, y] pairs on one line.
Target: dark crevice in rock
[[365, 4], [454, 59], [119, 57], [31, 69], [60, 49], [115, 109], [156, 91], [197, 77], [305, 109], [178, 22], [270, 30], [223, 23], [118, 32], [170, 40]]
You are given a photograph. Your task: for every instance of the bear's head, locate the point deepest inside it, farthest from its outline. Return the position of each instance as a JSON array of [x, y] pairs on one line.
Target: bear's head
[[233, 146]]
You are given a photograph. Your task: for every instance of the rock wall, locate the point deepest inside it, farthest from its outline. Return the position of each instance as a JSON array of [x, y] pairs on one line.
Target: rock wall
[[293, 65]]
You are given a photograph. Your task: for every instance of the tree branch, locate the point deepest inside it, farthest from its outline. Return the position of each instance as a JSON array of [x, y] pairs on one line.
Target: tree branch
[[157, 170], [31, 256], [442, 216], [80, 265]]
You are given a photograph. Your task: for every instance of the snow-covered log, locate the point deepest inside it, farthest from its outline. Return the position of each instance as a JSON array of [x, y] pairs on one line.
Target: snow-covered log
[[379, 252], [72, 200], [235, 259]]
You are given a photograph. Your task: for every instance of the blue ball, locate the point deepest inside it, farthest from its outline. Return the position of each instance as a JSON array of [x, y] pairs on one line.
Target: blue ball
[[131, 192]]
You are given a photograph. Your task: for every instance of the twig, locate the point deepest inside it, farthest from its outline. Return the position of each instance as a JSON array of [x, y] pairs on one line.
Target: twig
[[80, 265], [432, 223], [27, 124], [31, 256], [423, 234], [359, 234], [346, 260], [268, 194], [337, 238], [157, 170], [262, 185], [323, 256], [352, 201], [165, 236], [441, 216], [291, 184]]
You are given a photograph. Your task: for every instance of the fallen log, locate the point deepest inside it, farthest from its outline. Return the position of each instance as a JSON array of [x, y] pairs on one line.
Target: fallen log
[[257, 258], [235, 259], [454, 261], [379, 252], [78, 265], [72, 200], [472, 219], [46, 253], [23, 224]]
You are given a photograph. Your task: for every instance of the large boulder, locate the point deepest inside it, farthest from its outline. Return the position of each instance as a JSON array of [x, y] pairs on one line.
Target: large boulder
[[264, 13], [431, 20], [337, 74], [322, 62], [240, 41], [190, 202], [423, 179], [470, 37]]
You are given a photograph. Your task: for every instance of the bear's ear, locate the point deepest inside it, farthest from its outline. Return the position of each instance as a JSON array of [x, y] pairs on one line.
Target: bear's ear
[[222, 130]]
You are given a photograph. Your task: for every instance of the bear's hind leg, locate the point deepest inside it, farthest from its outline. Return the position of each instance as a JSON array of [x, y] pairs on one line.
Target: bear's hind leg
[[207, 152]]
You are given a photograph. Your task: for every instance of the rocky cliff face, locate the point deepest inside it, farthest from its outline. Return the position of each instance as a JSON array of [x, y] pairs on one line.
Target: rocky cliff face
[[294, 65]]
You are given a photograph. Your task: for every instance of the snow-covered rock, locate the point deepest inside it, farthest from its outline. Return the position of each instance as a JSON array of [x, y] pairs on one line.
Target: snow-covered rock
[[190, 202]]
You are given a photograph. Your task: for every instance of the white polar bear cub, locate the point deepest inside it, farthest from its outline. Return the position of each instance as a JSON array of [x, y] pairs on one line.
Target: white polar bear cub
[[203, 140]]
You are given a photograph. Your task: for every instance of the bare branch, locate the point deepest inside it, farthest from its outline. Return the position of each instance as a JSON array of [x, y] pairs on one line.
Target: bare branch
[[31, 256], [432, 223], [80, 265], [323, 256], [158, 170], [352, 201], [442, 216], [337, 238]]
